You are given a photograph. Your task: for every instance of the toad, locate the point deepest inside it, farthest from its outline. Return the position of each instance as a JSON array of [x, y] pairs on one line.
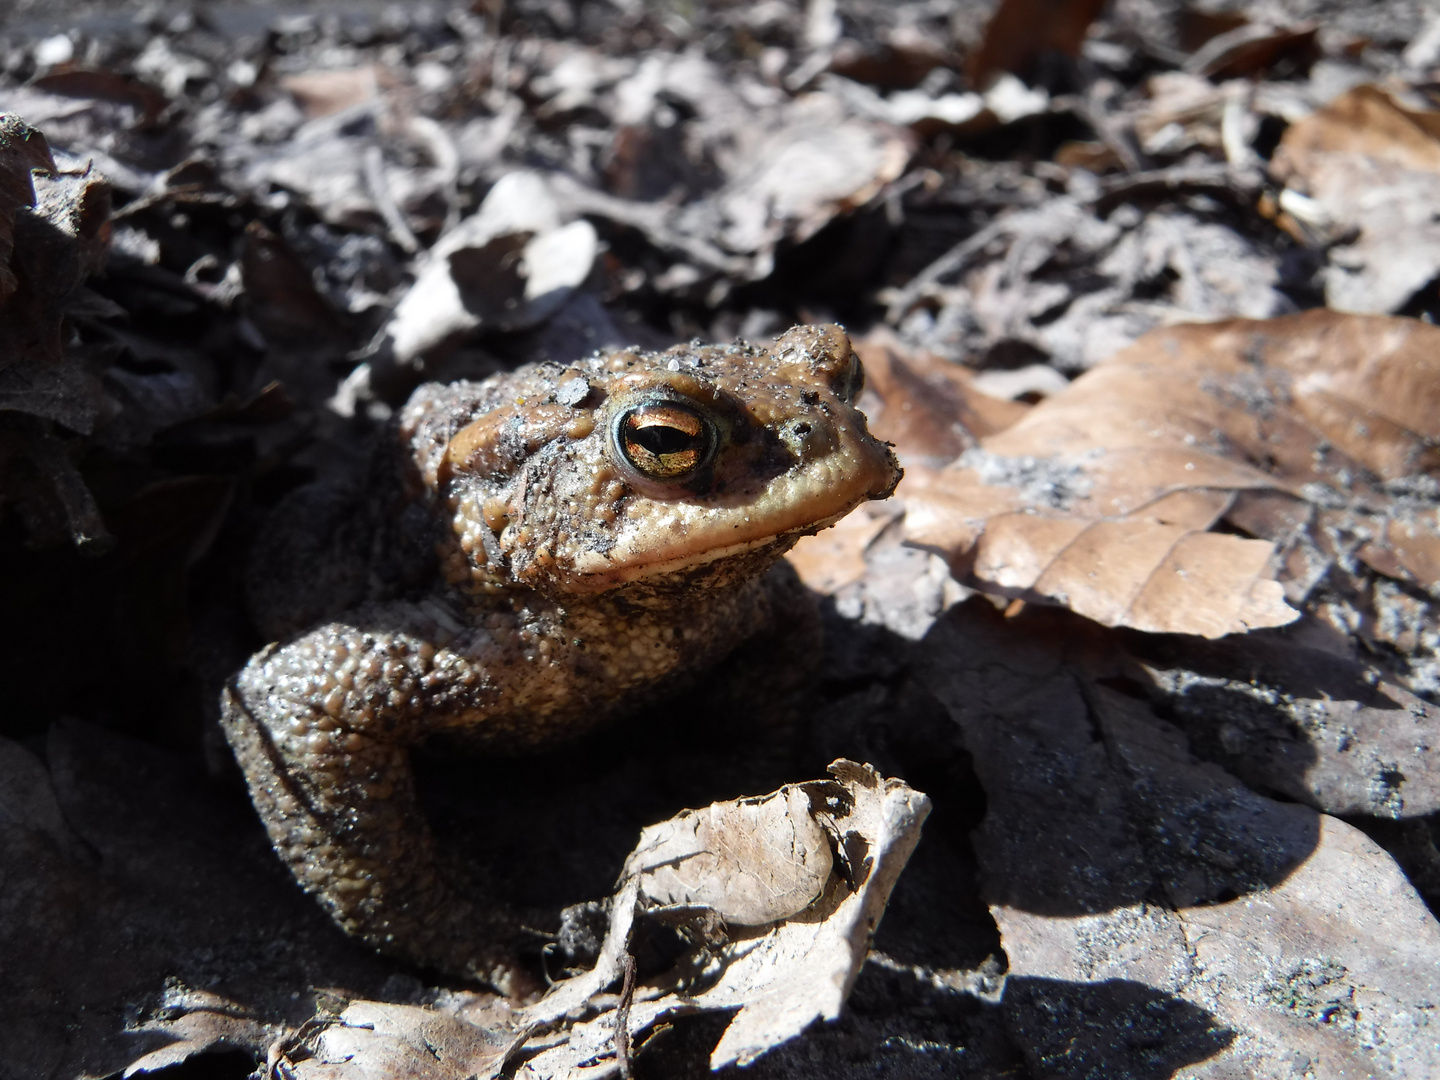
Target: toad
[[532, 554]]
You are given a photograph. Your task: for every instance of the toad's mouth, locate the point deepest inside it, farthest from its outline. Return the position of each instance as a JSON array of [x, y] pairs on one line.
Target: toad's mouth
[[657, 537]]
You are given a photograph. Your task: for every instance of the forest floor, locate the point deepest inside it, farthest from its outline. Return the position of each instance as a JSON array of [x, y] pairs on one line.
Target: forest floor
[[1144, 292]]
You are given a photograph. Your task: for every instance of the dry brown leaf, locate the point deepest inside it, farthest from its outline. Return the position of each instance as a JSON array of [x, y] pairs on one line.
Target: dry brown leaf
[[321, 93], [509, 266], [1367, 162], [830, 560], [799, 970], [926, 406], [752, 860], [1366, 121], [818, 162], [930, 410], [197, 1021], [1102, 498], [1021, 30], [22, 149], [1251, 48], [1129, 880], [801, 875], [376, 1040]]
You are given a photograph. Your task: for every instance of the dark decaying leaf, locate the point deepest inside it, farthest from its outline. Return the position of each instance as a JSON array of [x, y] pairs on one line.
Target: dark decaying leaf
[[1021, 30], [1212, 929], [22, 150]]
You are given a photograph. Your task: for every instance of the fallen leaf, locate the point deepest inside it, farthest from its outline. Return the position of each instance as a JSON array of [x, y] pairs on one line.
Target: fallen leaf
[[929, 408], [376, 1040], [1314, 726], [195, 1021], [1102, 498], [103, 85], [797, 971], [321, 93], [1021, 30], [792, 886], [830, 560], [1253, 47], [899, 62], [22, 150], [1255, 934], [1368, 162], [817, 163], [752, 861], [282, 298], [509, 267]]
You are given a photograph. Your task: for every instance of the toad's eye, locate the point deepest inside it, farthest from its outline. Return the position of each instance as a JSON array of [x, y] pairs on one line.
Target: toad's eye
[[665, 440]]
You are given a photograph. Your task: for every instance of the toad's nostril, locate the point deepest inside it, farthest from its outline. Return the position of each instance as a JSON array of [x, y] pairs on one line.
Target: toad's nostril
[[801, 429]]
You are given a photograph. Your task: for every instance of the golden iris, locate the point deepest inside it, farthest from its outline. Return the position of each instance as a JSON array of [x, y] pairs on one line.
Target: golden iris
[[665, 439]]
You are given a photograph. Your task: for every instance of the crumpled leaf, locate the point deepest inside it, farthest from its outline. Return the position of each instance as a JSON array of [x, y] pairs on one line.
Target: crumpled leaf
[[752, 861], [1368, 161], [510, 266], [376, 1040], [196, 1021], [816, 164], [54, 231], [789, 889], [22, 150], [751, 169], [800, 969], [1102, 498]]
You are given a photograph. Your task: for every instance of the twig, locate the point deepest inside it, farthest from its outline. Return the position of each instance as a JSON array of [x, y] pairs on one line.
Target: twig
[[1239, 186], [947, 264], [446, 157], [385, 202], [622, 1017]]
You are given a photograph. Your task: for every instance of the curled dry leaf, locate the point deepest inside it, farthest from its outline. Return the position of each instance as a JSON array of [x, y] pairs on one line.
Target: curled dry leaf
[[799, 969], [376, 1040], [1295, 431], [792, 886], [753, 861], [816, 163], [1367, 164], [22, 149]]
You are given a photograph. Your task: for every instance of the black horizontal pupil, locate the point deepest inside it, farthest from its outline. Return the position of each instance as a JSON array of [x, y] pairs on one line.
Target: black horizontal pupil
[[661, 440]]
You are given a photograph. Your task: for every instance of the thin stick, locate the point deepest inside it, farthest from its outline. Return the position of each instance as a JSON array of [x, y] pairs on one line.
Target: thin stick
[[622, 1017]]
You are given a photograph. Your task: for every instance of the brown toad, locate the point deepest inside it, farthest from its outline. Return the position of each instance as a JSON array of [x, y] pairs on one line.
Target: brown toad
[[597, 531]]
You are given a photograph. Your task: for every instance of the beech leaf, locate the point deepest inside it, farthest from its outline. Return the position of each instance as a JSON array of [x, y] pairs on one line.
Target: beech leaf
[[1103, 498], [1368, 164]]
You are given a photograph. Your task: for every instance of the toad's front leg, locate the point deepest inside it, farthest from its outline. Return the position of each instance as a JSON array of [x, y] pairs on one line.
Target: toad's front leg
[[322, 728]]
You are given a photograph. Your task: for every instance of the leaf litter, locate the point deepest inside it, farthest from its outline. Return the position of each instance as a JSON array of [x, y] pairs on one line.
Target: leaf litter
[[1137, 693]]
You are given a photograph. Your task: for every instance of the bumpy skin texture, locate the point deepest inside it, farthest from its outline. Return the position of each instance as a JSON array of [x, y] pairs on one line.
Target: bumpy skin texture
[[535, 553]]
